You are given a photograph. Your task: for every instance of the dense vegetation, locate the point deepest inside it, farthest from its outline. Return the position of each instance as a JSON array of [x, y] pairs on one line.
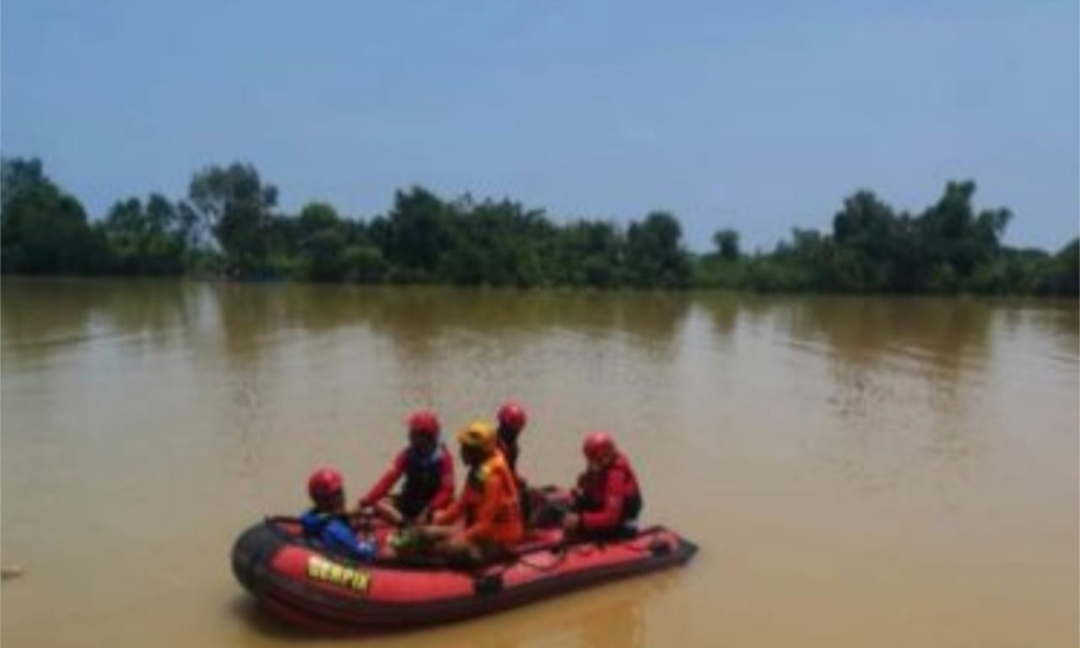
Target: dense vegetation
[[229, 225]]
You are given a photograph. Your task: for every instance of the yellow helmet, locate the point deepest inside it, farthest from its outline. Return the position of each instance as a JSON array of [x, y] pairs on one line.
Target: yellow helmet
[[478, 434]]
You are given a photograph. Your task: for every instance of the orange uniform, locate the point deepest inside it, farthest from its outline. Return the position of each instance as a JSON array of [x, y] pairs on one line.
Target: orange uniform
[[489, 503]]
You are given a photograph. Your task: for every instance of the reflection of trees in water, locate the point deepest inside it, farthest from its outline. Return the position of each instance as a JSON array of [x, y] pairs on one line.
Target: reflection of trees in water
[[1062, 321], [417, 319], [905, 377], [723, 310], [499, 327], [1064, 318], [730, 311], [50, 315], [465, 346], [247, 315], [46, 311], [472, 342], [869, 332], [934, 340], [158, 310], [1057, 320], [410, 314]]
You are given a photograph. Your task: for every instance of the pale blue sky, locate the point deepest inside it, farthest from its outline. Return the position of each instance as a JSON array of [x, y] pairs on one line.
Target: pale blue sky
[[755, 115]]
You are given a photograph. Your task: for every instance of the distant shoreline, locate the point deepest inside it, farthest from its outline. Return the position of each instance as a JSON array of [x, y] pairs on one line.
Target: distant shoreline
[[689, 291], [229, 228]]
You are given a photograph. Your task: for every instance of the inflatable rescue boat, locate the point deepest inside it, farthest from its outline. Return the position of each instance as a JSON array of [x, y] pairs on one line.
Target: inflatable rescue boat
[[303, 584]]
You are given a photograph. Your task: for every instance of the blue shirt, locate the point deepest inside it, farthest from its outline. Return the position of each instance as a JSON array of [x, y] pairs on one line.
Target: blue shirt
[[334, 533]]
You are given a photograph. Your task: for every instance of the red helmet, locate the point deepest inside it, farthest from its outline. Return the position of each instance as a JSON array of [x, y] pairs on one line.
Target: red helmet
[[324, 483], [424, 422], [512, 415], [598, 446]]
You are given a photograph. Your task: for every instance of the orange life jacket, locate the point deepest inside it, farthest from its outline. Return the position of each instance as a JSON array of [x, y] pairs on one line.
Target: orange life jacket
[[490, 503]]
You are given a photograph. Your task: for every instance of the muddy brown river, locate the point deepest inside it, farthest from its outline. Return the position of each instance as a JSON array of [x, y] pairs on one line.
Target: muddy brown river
[[857, 471]]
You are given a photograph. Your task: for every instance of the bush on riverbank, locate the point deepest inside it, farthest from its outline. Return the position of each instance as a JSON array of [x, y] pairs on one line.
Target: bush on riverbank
[[229, 225]]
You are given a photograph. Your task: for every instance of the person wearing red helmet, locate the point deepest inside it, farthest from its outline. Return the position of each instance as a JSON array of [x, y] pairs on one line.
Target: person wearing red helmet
[[326, 522], [512, 419], [428, 469], [607, 500]]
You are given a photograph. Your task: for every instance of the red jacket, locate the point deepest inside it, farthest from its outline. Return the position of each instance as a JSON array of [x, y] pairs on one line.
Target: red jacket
[[430, 482], [608, 498]]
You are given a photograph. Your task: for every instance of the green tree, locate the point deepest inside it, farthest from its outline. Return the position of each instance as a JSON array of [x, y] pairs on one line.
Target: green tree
[[322, 242], [1064, 273], [365, 264], [495, 243], [865, 233], [235, 205], [43, 229], [414, 235], [228, 223], [147, 239], [727, 244], [654, 253], [589, 253], [948, 231]]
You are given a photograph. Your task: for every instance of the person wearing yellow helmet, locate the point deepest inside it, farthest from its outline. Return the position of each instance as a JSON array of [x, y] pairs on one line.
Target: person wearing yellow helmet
[[488, 509]]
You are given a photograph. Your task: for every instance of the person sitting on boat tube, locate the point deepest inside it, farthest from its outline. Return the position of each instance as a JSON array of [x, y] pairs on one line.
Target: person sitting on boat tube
[[607, 500], [488, 504], [428, 469], [327, 522]]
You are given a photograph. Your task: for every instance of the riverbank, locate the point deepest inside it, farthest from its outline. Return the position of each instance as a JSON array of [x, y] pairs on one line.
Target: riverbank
[[229, 226]]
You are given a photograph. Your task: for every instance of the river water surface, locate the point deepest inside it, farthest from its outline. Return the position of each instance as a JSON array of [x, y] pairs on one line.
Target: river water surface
[[857, 471]]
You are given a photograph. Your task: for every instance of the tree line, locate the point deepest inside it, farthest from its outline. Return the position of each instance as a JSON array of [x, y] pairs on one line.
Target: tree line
[[229, 224]]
